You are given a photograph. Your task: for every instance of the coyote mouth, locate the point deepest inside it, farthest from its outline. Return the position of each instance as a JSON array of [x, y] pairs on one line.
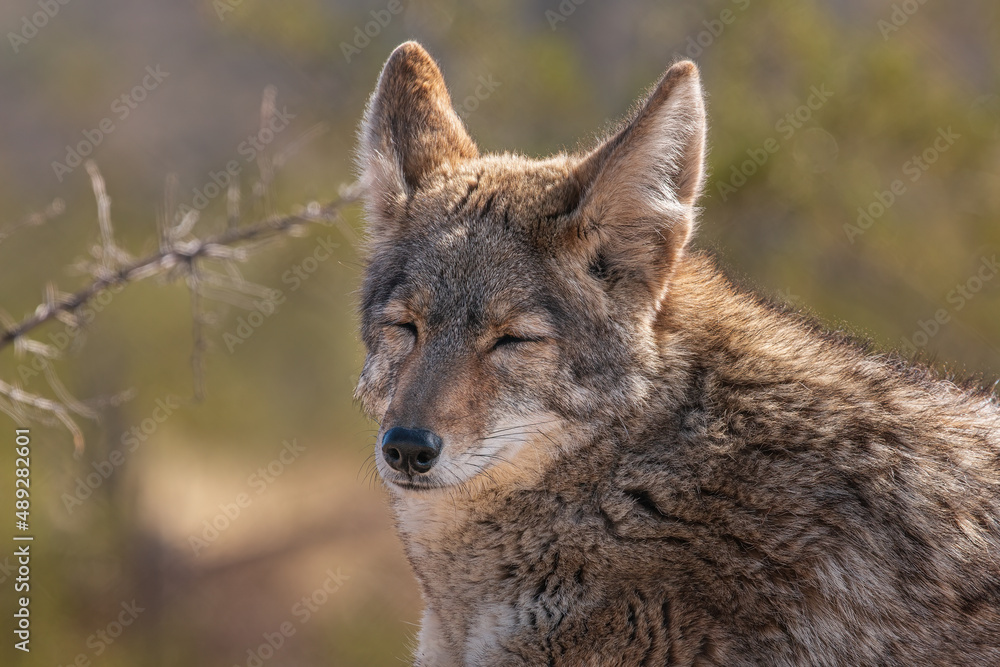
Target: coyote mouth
[[411, 485]]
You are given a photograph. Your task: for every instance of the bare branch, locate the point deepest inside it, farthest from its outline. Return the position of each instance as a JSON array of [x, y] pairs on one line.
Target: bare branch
[[18, 396], [179, 255], [111, 254], [265, 166], [57, 207], [184, 227], [233, 206], [217, 246], [197, 333], [63, 394], [169, 212]]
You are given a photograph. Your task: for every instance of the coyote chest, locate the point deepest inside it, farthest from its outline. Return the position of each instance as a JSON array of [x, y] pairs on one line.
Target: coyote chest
[[548, 574], [502, 585]]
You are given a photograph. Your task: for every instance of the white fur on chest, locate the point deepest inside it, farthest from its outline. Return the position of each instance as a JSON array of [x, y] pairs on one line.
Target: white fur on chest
[[491, 622], [425, 524]]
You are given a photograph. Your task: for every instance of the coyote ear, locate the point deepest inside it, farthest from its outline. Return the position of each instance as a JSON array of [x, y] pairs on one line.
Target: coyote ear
[[409, 129], [640, 186]]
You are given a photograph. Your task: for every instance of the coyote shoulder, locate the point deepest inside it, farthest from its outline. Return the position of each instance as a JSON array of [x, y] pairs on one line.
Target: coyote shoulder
[[600, 452]]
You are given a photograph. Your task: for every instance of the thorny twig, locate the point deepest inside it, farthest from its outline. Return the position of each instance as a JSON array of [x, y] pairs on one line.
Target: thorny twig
[[220, 246], [179, 254]]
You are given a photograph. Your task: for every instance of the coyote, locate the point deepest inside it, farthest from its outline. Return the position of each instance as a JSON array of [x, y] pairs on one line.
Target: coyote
[[600, 452]]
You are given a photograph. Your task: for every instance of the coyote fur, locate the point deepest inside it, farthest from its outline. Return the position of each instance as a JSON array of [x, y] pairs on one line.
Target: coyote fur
[[600, 452]]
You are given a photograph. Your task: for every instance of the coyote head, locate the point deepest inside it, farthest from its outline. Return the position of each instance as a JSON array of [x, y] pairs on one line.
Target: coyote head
[[508, 304]]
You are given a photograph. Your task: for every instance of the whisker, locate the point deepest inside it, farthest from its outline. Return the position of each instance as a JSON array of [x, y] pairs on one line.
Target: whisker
[[491, 457], [522, 426], [509, 434]]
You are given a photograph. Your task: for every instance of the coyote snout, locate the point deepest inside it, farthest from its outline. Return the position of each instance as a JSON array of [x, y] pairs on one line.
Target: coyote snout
[[448, 419]]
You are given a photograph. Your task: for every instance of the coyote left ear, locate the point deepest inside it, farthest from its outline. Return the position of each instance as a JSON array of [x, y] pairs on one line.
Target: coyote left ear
[[640, 186], [410, 129]]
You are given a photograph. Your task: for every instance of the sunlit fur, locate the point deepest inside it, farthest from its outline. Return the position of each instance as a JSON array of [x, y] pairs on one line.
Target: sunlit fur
[[656, 467]]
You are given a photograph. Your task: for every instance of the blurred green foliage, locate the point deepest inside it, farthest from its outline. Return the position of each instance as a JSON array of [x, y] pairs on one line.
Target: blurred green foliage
[[561, 82]]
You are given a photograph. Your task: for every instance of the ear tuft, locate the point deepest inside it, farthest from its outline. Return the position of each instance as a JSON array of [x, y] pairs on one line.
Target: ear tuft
[[409, 128]]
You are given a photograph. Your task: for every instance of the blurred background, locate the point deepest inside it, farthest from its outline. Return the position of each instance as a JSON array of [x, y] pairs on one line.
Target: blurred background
[[855, 173]]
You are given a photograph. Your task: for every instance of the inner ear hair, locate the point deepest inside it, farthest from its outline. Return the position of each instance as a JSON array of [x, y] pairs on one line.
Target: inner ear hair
[[640, 185]]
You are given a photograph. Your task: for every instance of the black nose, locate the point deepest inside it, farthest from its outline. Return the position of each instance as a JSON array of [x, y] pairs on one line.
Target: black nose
[[410, 450]]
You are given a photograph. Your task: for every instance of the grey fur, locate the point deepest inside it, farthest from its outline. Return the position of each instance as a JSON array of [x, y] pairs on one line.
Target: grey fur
[[660, 469]]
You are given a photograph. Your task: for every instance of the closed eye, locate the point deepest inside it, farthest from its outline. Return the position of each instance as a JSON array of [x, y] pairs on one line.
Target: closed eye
[[509, 340], [410, 327]]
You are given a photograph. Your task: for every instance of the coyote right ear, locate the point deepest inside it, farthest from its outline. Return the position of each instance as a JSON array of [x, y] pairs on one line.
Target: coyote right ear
[[640, 186], [410, 128]]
